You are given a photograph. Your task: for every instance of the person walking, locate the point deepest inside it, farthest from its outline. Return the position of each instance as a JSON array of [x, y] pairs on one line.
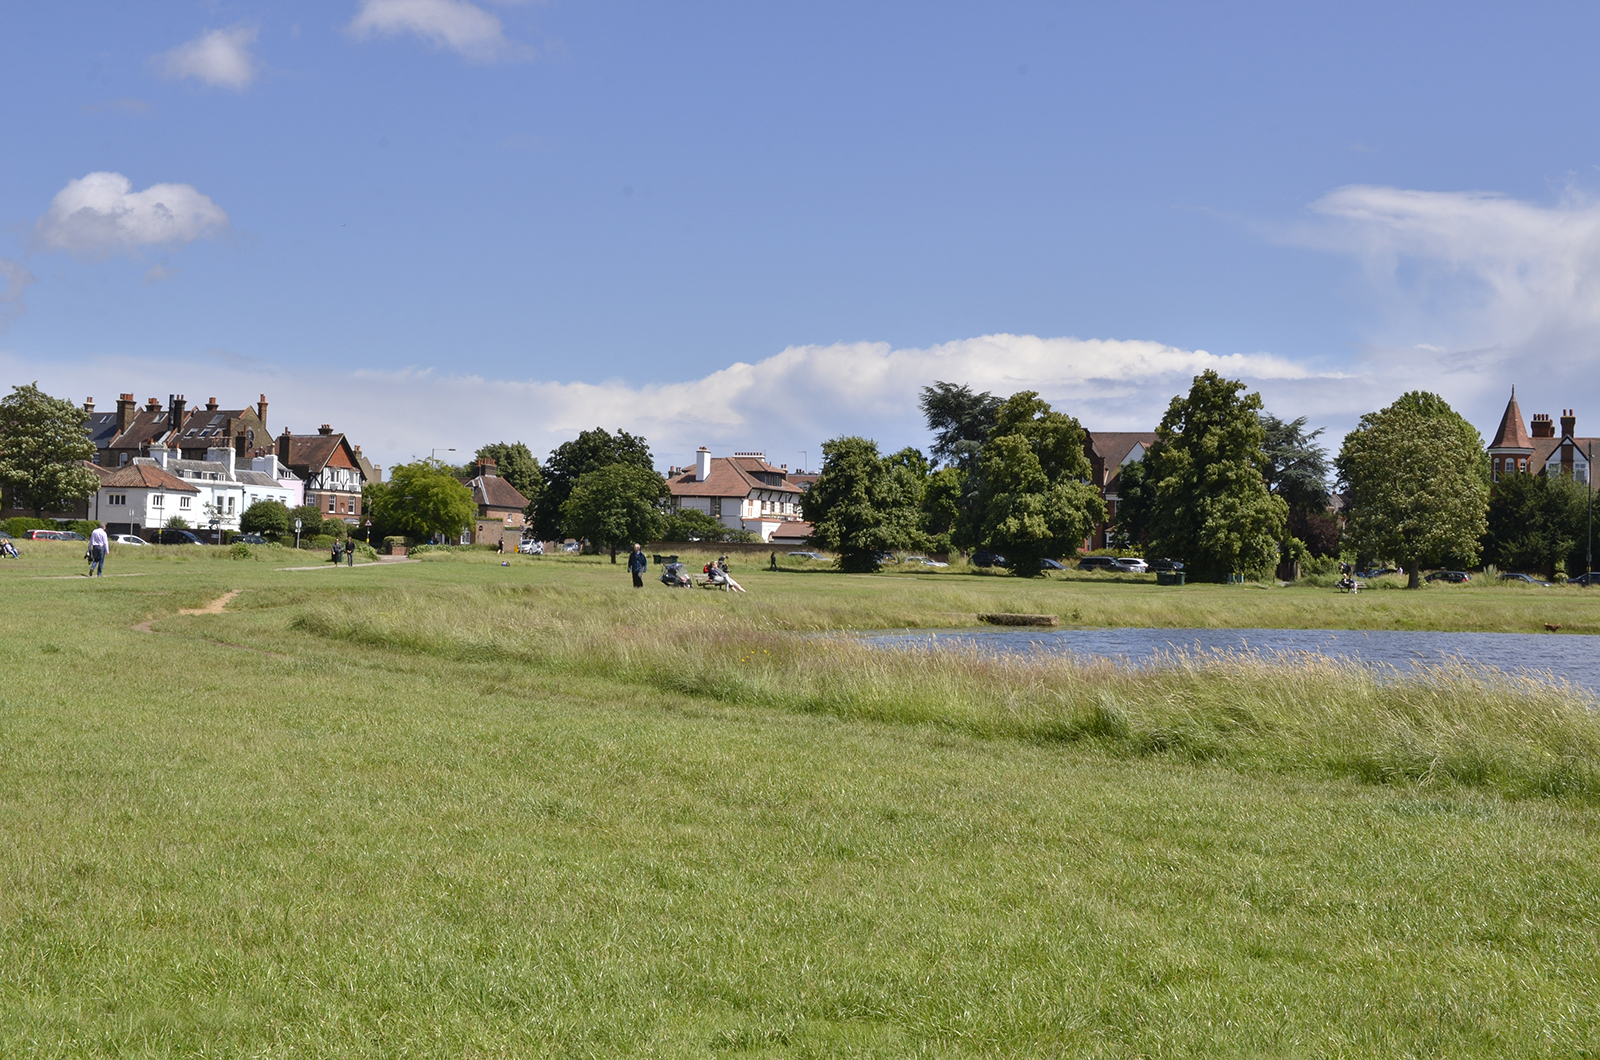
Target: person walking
[[99, 545], [636, 566], [350, 553]]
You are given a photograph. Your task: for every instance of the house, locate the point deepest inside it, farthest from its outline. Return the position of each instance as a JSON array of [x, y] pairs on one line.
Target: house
[[128, 433], [500, 508], [1108, 453], [142, 496], [1541, 451], [79, 509], [742, 492], [327, 464], [796, 533]]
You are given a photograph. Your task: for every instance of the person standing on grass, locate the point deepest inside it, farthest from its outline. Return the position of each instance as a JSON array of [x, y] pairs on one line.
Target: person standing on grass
[[350, 553], [636, 566], [99, 545]]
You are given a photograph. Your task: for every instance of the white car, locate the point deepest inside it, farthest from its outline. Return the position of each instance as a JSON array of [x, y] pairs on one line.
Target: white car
[[127, 539], [531, 548], [1134, 564]]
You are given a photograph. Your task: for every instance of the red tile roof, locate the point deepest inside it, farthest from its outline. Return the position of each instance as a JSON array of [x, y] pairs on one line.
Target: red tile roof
[[730, 477], [492, 491], [1512, 434], [145, 476]]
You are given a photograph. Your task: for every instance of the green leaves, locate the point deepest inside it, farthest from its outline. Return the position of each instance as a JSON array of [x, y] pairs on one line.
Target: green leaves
[[615, 505], [863, 504], [420, 500], [42, 447], [1210, 505]]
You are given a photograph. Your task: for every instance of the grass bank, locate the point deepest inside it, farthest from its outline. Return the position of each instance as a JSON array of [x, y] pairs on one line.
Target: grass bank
[[456, 809]]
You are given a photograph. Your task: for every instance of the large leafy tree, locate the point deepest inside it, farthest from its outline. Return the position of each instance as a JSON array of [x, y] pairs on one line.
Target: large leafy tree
[[1297, 470], [1538, 522], [266, 517], [420, 500], [569, 461], [1033, 497], [942, 500], [1211, 506], [614, 505], [1415, 475], [516, 463], [1135, 500], [863, 503], [960, 421], [43, 445], [688, 524]]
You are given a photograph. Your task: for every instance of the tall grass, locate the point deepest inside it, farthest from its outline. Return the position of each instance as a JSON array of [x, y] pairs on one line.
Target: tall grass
[[1436, 726]]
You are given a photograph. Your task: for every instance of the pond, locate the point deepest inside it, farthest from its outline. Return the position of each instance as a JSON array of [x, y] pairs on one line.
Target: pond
[[1566, 657]]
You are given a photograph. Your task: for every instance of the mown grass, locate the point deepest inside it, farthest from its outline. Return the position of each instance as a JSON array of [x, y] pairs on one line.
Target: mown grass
[[471, 810]]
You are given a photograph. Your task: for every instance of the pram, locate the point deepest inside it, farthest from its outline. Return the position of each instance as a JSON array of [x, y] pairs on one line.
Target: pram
[[675, 577]]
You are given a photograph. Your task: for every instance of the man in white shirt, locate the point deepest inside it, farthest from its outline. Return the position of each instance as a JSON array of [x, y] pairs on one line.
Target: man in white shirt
[[99, 545]]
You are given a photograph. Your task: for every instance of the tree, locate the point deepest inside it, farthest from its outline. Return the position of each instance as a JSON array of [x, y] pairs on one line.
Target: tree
[[43, 447], [516, 463], [1538, 522], [310, 517], [960, 421], [177, 522], [1416, 483], [1297, 470], [615, 505], [688, 524], [421, 500], [941, 507], [1211, 507], [1135, 499], [1033, 497], [265, 517], [569, 461], [863, 504]]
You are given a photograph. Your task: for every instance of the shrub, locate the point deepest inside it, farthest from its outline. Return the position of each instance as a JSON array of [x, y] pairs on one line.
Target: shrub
[[22, 524], [266, 517], [177, 522], [310, 518], [83, 526], [319, 541], [239, 550]]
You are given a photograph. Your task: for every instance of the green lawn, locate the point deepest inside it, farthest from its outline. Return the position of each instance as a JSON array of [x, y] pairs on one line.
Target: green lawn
[[451, 808]]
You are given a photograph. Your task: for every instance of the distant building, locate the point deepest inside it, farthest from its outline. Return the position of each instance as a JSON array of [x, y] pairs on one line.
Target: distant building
[[327, 464], [1109, 452], [128, 433], [742, 492], [1542, 451], [500, 507], [143, 496]]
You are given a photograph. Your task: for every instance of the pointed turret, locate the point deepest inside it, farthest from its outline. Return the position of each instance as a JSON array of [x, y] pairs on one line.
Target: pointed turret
[[1512, 445]]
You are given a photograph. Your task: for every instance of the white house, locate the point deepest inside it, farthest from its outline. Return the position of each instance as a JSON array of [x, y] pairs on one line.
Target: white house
[[743, 492], [265, 478], [143, 495]]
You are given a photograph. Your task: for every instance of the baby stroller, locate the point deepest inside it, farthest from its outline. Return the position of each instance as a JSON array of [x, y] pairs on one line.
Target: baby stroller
[[675, 577]]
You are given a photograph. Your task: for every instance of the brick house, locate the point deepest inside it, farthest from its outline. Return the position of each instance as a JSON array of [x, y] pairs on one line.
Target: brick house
[[327, 464], [1108, 453], [1541, 451], [501, 515], [122, 436]]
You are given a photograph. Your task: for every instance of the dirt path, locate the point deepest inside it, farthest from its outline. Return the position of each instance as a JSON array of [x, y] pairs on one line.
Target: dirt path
[[214, 607]]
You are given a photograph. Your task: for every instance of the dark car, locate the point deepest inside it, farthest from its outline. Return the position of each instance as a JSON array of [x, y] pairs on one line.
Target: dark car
[[1586, 580], [1513, 576], [1456, 576], [985, 558], [249, 539], [177, 537], [1099, 563], [1050, 564], [1168, 565]]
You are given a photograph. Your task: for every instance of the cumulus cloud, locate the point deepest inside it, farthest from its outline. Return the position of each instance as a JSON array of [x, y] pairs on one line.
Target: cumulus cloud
[[455, 24], [14, 279], [100, 214], [218, 57], [783, 404]]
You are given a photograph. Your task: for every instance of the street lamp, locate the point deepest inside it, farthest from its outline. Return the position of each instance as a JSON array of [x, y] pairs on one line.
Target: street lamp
[[441, 448]]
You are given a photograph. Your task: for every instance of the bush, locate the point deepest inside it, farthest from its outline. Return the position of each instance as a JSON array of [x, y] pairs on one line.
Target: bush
[[83, 526], [239, 550], [320, 541], [22, 524], [266, 517], [177, 522], [393, 542], [310, 518]]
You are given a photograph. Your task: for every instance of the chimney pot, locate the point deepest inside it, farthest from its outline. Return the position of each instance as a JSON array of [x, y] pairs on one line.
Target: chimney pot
[[88, 404], [325, 429], [211, 404]]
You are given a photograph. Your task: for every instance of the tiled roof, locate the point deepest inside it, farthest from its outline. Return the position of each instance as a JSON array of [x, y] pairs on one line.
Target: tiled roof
[[793, 529], [495, 492], [1512, 434], [257, 478], [311, 450], [1114, 446], [140, 475], [1545, 448], [729, 477]]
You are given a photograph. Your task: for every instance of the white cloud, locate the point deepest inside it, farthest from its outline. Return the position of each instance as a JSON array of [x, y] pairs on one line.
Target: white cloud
[[786, 403], [455, 24], [100, 214], [14, 279], [218, 57]]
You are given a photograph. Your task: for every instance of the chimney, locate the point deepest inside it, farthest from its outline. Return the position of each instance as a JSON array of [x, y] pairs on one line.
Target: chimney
[[261, 411], [222, 455], [126, 408], [153, 405], [160, 453], [1569, 423], [325, 429], [1542, 427], [702, 464], [241, 444], [283, 446], [211, 404], [175, 411], [486, 468], [88, 404]]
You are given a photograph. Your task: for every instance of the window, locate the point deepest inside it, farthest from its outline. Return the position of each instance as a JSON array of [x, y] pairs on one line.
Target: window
[[230, 504], [330, 505], [183, 502], [116, 499], [157, 499], [716, 507]]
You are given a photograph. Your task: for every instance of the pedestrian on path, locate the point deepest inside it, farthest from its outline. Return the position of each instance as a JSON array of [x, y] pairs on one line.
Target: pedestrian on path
[[99, 545], [636, 566]]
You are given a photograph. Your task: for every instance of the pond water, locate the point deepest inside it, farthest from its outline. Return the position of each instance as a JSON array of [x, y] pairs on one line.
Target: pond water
[[1567, 657]]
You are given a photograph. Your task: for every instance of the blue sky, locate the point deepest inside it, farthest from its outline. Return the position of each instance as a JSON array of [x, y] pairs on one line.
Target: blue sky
[[441, 223]]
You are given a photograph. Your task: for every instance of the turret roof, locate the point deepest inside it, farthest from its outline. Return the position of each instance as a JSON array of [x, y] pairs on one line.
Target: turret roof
[[1512, 434]]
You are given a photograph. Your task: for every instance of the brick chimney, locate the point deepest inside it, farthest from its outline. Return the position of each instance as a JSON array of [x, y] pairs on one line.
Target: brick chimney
[[261, 412], [211, 404], [88, 404], [1542, 427], [486, 468], [325, 429], [153, 405], [283, 446], [1569, 423], [126, 408], [176, 405]]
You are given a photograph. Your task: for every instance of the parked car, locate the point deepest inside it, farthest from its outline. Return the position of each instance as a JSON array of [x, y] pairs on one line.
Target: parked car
[[249, 539], [1376, 572], [807, 555], [1168, 565], [572, 546], [127, 539], [1134, 564], [177, 537], [1456, 576], [531, 548], [985, 558], [53, 535], [1050, 564], [1586, 580], [1513, 576], [885, 557], [1097, 563]]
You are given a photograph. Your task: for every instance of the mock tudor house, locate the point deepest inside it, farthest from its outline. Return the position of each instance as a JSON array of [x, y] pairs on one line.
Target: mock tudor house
[[500, 508], [1541, 451], [742, 492], [327, 464], [1109, 452]]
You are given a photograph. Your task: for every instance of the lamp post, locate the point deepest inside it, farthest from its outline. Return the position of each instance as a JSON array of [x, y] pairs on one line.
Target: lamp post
[[431, 452]]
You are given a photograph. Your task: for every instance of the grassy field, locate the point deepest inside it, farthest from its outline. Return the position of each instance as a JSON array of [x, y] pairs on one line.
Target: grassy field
[[454, 808]]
